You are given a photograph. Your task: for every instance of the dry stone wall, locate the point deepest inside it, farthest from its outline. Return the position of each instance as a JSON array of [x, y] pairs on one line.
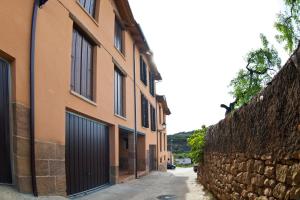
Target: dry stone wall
[[254, 153]]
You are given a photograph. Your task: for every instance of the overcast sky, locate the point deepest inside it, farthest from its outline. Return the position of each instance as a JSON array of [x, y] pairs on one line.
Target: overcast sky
[[199, 46]]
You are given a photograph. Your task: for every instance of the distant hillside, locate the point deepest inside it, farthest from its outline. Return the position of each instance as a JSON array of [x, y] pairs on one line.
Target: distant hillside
[[178, 141]]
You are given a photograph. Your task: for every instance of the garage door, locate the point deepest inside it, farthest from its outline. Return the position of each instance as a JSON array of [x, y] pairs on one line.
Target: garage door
[[87, 154], [5, 167]]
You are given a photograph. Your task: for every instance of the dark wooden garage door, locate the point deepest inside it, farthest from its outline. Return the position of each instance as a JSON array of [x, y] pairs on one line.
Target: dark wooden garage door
[[5, 166], [152, 157], [87, 154]]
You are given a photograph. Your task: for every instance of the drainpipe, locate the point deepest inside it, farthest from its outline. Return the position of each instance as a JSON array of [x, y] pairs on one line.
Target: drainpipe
[[135, 126], [36, 5], [156, 133]]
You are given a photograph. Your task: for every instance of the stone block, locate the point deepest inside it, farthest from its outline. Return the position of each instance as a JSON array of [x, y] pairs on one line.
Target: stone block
[[266, 182], [296, 178], [45, 150], [233, 170], [259, 166], [252, 196], [24, 184], [114, 174], [242, 167], [296, 155], [21, 120], [270, 163], [57, 168], [259, 191], [42, 167], [268, 192], [235, 196], [281, 172], [295, 193], [272, 183], [244, 194], [61, 185], [60, 152], [45, 186], [22, 166], [269, 172], [250, 164], [261, 198], [245, 178], [266, 157], [279, 191], [21, 146], [257, 180]]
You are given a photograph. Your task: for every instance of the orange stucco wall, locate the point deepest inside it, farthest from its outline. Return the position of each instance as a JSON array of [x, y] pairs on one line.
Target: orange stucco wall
[[53, 68]]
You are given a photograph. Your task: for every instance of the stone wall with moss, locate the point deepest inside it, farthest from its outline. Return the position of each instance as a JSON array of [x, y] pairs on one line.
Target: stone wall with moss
[[254, 153]]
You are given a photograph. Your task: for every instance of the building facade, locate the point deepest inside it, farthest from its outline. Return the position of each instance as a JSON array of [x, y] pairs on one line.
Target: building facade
[[79, 108]]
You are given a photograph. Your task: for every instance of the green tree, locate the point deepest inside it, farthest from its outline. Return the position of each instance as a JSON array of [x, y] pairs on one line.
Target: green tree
[[261, 66], [288, 25], [196, 142]]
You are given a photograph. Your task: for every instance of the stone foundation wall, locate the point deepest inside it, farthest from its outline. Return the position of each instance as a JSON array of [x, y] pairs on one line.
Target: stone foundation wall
[[239, 176], [21, 148], [254, 153], [162, 166], [50, 169]]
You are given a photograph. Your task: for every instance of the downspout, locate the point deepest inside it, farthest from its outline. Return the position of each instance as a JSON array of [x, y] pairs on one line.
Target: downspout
[[156, 134], [135, 126], [32, 96]]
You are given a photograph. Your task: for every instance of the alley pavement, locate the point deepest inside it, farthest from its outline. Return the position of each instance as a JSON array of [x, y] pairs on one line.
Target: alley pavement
[[179, 184]]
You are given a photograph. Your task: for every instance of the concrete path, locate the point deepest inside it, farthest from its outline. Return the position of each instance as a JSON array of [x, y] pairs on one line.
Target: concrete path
[[179, 184]]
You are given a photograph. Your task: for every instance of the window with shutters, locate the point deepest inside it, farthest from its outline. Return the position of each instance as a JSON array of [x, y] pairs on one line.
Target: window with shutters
[[119, 93], [153, 118], [160, 141], [82, 64], [89, 6], [165, 143], [119, 43], [143, 70], [145, 114], [151, 83]]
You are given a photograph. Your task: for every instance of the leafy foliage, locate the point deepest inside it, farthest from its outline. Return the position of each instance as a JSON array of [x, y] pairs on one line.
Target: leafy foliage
[[196, 142], [177, 143], [261, 66], [288, 25]]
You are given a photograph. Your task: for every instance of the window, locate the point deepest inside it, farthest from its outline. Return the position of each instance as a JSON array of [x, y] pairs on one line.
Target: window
[[119, 36], [143, 70], [144, 104], [119, 93], [151, 83], [160, 114], [160, 141], [82, 65], [165, 142], [89, 6], [153, 118]]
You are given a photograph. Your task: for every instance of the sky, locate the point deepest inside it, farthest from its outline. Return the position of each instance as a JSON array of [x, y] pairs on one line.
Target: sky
[[199, 46]]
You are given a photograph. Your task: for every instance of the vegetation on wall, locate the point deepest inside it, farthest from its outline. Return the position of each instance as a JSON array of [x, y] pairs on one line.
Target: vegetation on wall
[[288, 25], [196, 142]]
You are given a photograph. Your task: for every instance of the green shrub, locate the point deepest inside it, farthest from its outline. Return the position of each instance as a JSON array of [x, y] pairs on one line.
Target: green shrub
[[196, 142]]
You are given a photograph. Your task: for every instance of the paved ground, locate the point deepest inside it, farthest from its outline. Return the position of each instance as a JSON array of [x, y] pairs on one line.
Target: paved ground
[[180, 184]]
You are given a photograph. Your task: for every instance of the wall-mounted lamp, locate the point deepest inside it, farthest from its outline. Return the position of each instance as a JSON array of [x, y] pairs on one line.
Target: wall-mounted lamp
[[164, 125]]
